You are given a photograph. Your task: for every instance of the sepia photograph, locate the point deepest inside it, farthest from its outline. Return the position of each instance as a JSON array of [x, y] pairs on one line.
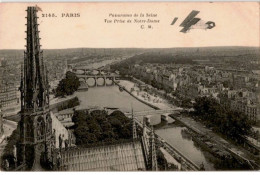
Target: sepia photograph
[[130, 86]]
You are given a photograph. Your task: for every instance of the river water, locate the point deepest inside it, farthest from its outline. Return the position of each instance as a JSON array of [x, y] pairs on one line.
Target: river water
[[110, 96], [172, 133]]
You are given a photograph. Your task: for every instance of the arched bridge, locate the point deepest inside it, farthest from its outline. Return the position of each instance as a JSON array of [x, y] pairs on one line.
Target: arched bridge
[[95, 77], [98, 80], [152, 112], [88, 71]]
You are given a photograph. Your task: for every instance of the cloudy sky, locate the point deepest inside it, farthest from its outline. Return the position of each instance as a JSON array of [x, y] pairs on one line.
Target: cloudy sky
[[237, 24]]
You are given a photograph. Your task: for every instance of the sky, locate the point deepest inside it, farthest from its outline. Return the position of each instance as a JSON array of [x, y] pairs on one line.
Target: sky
[[237, 24]]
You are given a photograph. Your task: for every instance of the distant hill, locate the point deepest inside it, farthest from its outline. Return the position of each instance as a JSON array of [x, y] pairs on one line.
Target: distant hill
[[201, 52]]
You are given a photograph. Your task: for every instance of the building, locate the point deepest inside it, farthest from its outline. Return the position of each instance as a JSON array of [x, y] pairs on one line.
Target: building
[[1, 125], [2, 61], [240, 101], [240, 81], [57, 68], [8, 94], [246, 107]]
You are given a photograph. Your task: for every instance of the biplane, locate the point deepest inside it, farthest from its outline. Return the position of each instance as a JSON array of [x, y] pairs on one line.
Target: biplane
[[191, 21]]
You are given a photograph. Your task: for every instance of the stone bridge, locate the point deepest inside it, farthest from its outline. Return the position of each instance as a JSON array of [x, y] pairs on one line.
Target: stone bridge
[[152, 112], [90, 71], [85, 71], [98, 77], [98, 80]]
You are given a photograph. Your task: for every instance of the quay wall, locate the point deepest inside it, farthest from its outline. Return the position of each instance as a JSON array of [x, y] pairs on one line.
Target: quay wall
[[237, 156], [62, 104], [148, 104]]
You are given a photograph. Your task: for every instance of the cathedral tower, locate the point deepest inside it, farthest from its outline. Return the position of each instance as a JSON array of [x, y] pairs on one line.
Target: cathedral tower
[[36, 123]]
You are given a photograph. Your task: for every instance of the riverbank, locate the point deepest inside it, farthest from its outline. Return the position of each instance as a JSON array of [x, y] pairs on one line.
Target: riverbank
[[238, 152], [55, 100], [144, 97], [142, 101]]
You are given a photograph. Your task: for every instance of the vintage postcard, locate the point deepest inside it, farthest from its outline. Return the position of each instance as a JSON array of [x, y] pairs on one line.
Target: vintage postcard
[[129, 86]]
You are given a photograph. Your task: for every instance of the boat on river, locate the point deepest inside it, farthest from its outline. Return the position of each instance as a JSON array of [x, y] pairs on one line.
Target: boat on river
[[210, 147]]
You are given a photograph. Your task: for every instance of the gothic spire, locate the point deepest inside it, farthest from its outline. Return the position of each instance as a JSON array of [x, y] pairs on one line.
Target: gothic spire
[[33, 84]]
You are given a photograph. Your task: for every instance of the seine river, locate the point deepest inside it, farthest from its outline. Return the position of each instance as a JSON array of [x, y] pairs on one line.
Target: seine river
[[112, 97]]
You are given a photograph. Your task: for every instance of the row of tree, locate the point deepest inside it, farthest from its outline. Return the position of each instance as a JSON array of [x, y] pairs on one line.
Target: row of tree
[[233, 124], [68, 85], [98, 127]]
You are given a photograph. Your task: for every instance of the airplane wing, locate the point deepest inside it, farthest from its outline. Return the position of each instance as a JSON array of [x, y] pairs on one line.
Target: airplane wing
[[174, 20], [191, 16], [189, 21], [187, 26]]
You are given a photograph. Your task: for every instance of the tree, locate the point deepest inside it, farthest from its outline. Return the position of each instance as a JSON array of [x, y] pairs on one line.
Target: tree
[[116, 124], [226, 84], [186, 103], [119, 116], [99, 127], [79, 117], [233, 124], [68, 85], [81, 134]]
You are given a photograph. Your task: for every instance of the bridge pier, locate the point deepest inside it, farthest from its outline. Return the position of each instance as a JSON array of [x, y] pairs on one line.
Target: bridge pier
[[165, 117], [105, 82], [113, 80], [96, 81]]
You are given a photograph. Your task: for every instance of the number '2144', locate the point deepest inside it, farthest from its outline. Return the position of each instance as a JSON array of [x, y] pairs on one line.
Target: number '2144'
[[45, 15]]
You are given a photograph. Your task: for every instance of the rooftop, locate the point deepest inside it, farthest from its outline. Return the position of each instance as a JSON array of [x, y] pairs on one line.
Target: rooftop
[[127, 156]]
